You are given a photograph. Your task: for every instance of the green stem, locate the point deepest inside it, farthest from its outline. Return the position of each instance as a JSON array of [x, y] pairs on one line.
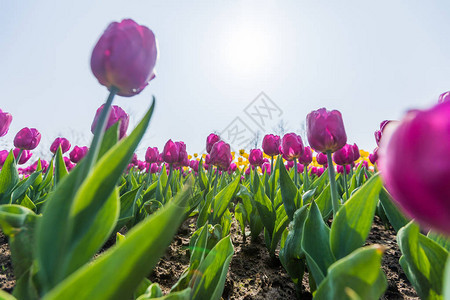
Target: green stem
[[306, 177], [99, 132], [345, 182], [168, 181], [295, 173], [18, 156], [215, 182], [334, 196]]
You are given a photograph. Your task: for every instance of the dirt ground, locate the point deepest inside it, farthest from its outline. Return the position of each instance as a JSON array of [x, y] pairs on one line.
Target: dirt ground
[[252, 273]]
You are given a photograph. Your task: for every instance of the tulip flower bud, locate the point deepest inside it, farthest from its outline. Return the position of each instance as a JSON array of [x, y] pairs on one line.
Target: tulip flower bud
[[27, 138], [5, 121], [379, 133], [125, 57], [220, 155], [255, 157], [247, 171], [300, 168], [171, 152], [116, 114], [24, 157], [320, 171], [65, 145], [68, 163], [364, 163], [232, 168], [373, 157], [314, 170], [154, 168], [321, 159], [152, 155], [289, 164], [291, 146], [210, 141], [194, 165], [134, 160], [3, 155], [341, 168], [271, 144], [345, 155], [78, 153], [325, 130], [444, 97], [266, 168], [306, 157], [415, 166]]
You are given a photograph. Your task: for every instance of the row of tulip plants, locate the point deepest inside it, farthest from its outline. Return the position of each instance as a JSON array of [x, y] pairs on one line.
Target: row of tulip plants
[[59, 215]]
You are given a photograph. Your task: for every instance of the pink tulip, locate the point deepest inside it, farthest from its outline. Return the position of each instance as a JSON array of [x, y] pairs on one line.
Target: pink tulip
[[63, 142], [255, 158], [325, 130], [289, 164], [346, 155], [152, 155], [3, 155], [116, 114], [266, 168], [379, 133], [321, 159], [300, 168], [373, 157], [320, 171], [291, 146], [78, 153], [271, 144], [27, 138], [125, 57], [220, 155], [24, 157], [194, 165], [306, 157], [232, 168], [210, 141], [68, 163], [5, 121], [340, 169], [444, 97]]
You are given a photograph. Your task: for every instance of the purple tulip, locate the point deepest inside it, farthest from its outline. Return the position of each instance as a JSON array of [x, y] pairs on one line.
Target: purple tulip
[[5, 121], [194, 165], [415, 166], [232, 168], [379, 133], [255, 158], [27, 138], [444, 97], [134, 160], [207, 159], [346, 155], [116, 114], [373, 157], [65, 145], [340, 169], [24, 157], [152, 155], [154, 168], [210, 141], [266, 168], [220, 155], [78, 153], [289, 164], [321, 159], [271, 144], [313, 170], [325, 130], [306, 157], [291, 146], [3, 155], [68, 163], [320, 171], [364, 164], [247, 171], [171, 152], [300, 168], [141, 165], [125, 57]]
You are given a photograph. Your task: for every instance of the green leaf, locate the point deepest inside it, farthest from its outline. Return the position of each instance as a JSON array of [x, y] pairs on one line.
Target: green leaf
[[264, 206], [223, 198], [316, 244], [75, 204], [6, 296], [447, 280], [324, 202], [209, 281], [289, 192], [442, 240], [110, 138], [423, 261], [353, 220], [26, 202], [356, 276], [394, 215], [47, 177], [60, 166], [281, 222], [8, 178], [19, 190], [117, 273]]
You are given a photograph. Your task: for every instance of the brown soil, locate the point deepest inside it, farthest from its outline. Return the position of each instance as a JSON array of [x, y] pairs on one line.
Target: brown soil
[[252, 274]]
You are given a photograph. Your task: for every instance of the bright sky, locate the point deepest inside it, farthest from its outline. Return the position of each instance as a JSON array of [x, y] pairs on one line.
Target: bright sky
[[370, 60]]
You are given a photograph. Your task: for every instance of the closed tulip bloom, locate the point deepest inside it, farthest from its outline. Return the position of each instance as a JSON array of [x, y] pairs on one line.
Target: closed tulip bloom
[[444, 97], [5, 121], [152, 155], [78, 153], [291, 146], [289, 164], [65, 145], [27, 138], [345, 155], [210, 141], [247, 171], [300, 168], [116, 114], [364, 164], [325, 130], [266, 168], [220, 155], [271, 144], [154, 168], [3, 155], [207, 159], [321, 159], [379, 133], [194, 165], [141, 165], [415, 166], [68, 163], [314, 170], [134, 159], [320, 171], [24, 157], [232, 168], [255, 157], [171, 152], [373, 157], [341, 168], [306, 157], [125, 57]]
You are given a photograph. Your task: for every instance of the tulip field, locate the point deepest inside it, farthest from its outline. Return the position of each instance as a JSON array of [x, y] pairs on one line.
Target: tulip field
[[294, 219]]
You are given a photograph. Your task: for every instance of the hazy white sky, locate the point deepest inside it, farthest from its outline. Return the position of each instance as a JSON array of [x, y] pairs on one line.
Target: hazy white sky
[[370, 60]]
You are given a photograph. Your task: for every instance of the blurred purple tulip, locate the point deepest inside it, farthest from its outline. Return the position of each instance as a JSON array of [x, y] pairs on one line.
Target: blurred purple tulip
[[271, 144], [68, 163], [255, 157], [266, 168], [325, 130], [152, 155], [346, 155], [210, 141], [300, 167], [116, 114], [306, 157], [78, 153], [415, 166], [65, 145], [125, 57], [444, 97], [340, 169], [373, 157], [27, 138], [321, 159], [24, 157], [220, 155], [5, 121], [194, 165], [3, 155]]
